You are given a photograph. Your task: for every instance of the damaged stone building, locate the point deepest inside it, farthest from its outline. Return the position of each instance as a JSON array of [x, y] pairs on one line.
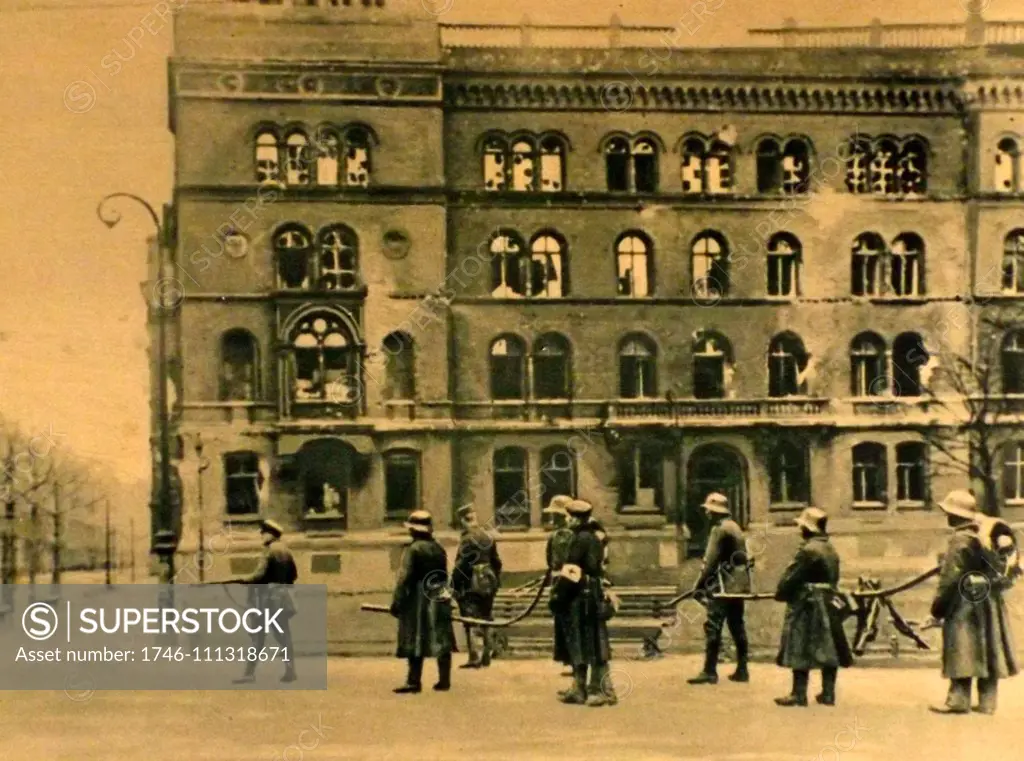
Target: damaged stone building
[[425, 266]]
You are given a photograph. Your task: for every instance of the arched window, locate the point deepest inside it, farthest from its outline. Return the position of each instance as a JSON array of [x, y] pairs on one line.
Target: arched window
[[631, 165], [510, 266], [911, 473], [357, 157], [783, 265], [557, 474], [884, 162], [796, 166], [339, 259], [868, 252], [239, 361], [769, 166], [548, 271], [293, 247], [906, 265], [1013, 262], [710, 256], [326, 360], [858, 165], [268, 158], [638, 368], [508, 368], [692, 167], [296, 165], [552, 367], [617, 164], [712, 366], [633, 254], [1007, 177], [645, 165], [328, 153], [1012, 356], [511, 498], [787, 361], [400, 369], [869, 474], [552, 164], [908, 357], [789, 475], [494, 163], [913, 166], [868, 366], [718, 168], [524, 162]]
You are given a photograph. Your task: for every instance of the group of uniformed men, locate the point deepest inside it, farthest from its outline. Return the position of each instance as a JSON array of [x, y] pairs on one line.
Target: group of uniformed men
[[977, 642]]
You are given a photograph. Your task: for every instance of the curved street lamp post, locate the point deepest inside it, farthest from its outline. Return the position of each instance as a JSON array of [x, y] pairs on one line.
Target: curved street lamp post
[[161, 301]]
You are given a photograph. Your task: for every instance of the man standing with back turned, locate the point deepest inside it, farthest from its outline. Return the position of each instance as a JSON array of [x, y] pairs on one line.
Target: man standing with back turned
[[475, 581], [725, 570]]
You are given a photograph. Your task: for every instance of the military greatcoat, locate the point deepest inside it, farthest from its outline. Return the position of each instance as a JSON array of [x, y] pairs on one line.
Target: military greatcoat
[[812, 633], [557, 551], [586, 631], [976, 636], [422, 603]]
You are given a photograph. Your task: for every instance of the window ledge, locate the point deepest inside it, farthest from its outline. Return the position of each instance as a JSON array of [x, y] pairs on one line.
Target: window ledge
[[1013, 502], [331, 516], [870, 506], [641, 511], [911, 506], [245, 519]]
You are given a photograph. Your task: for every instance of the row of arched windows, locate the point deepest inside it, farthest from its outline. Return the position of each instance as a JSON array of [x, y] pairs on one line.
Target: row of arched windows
[[536, 163], [540, 268], [327, 156], [545, 369]]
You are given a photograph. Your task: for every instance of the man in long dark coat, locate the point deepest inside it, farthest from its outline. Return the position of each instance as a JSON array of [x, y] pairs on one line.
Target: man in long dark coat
[[578, 593], [977, 642], [725, 569], [422, 605], [812, 633], [268, 591], [476, 579], [557, 552]]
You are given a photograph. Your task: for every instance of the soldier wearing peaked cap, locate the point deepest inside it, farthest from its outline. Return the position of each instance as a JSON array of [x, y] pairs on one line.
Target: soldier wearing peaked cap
[[812, 633], [725, 569], [476, 579], [268, 590], [422, 605], [578, 594], [976, 639], [557, 552]]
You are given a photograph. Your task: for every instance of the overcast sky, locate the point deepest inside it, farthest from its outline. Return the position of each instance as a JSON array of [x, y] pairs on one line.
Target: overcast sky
[[72, 336]]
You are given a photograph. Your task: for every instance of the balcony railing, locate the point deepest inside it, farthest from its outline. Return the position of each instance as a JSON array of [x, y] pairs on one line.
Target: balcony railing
[[718, 408]]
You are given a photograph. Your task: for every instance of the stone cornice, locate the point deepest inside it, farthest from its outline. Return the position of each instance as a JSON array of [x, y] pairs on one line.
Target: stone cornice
[[995, 94], [769, 96], [307, 81]]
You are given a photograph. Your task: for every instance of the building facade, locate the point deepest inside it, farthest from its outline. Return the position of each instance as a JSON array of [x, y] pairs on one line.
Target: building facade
[[424, 266]]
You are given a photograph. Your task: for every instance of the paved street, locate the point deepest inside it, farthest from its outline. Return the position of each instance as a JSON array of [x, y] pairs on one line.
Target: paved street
[[509, 712]]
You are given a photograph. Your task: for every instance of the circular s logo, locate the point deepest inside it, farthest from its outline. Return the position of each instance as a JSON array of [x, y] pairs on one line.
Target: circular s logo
[[39, 621]]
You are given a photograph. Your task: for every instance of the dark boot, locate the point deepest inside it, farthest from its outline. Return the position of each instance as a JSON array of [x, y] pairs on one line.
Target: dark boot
[[250, 674], [738, 629], [709, 675], [988, 692], [413, 682], [601, 691], [828, 686], [798, 697], [577, 695], [444, 673], [958, 700], [289, 673]]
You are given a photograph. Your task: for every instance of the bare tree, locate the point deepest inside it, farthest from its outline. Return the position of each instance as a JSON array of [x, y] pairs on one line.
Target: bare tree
[[976, 414]]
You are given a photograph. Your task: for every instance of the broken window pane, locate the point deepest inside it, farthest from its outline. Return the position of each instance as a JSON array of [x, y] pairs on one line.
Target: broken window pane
[[242, 483], [906, 265], [858, 162], [783, 264], [297, 159], [238, 366], [868, 366], [633, 266], [339, 253], [710, 267], [508, 369], [645, 166], [547, 270], [710, 357], [551, 368], [328, 152], [1007, 166], [786, 363], [292, 247], [790, 481], [913, 167], [523, 160], [510, 268], [494, 164], [796, 167], [268, 168], [693, 165], [401, 483], [769, 166], [1013, 262], [883, 167], [617, 164], [1013, 363], [718, 174], [324, 360], [637, 367], [552, 167], [399, 354], [868, 250], [908, 357]]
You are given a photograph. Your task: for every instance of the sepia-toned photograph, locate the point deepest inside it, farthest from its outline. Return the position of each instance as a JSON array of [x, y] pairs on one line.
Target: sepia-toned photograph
[[424, 380]]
